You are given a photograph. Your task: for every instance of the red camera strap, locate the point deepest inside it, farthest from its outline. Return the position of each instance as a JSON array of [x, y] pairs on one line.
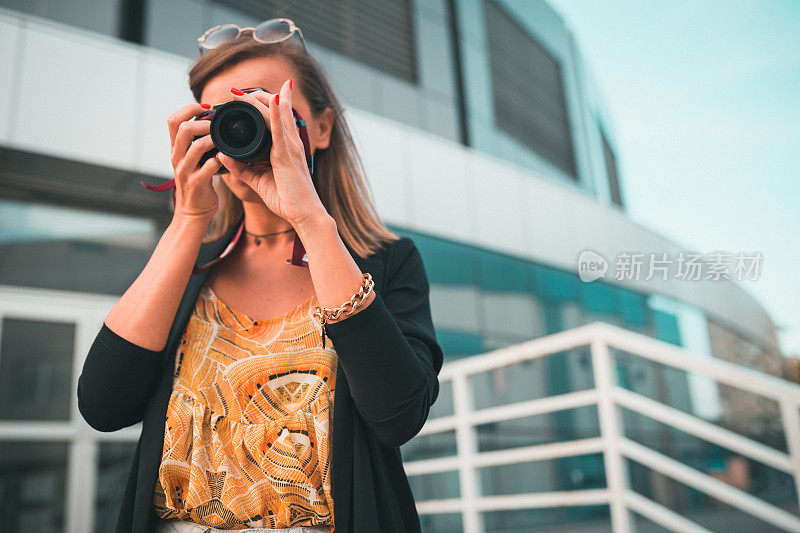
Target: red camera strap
[[299, 257]]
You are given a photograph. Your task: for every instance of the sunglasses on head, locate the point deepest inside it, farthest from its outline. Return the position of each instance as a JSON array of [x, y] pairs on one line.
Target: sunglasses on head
[[270, 31]]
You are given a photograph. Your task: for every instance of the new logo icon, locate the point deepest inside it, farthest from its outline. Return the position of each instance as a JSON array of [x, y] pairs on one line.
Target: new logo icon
[[591, 265]]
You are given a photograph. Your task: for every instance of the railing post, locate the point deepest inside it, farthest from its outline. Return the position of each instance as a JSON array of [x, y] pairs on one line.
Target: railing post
[[790, 416], [466, 447], [610, 431]]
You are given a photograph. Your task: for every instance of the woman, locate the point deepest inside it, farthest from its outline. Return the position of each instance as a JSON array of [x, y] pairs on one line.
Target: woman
[[250, 422]]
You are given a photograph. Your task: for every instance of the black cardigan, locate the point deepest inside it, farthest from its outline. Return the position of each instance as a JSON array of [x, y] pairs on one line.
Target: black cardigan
[[387, 379]]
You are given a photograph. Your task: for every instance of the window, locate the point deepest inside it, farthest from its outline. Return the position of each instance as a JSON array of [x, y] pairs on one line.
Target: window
[[377, 33], [54, 247], [113, 468], [35, 369], [529, 101], [102, 17], [33, 480], [611, 170]]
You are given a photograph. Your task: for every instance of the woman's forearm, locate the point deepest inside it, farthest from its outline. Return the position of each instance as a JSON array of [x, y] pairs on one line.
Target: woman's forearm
[[334, 273], [144, 314]]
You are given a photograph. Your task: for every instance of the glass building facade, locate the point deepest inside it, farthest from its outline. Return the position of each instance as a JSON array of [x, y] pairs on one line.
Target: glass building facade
[[77, 229], [483, 300]]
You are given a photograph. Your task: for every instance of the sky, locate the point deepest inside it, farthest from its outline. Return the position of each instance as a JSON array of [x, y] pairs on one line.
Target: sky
[[704, 99]]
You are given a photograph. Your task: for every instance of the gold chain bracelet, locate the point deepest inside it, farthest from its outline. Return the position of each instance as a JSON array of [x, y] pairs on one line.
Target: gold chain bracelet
[[324, 314]]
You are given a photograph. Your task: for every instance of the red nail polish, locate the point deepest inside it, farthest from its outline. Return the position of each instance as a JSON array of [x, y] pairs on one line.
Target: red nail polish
[[236, 91], [290, 83], [205, 106], [277, 98]]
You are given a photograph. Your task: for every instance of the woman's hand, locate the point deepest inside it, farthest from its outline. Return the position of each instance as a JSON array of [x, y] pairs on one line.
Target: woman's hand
[[286, 188], [195, 197]]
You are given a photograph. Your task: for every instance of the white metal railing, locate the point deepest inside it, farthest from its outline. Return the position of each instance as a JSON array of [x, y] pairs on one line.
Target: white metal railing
[[612, 443]]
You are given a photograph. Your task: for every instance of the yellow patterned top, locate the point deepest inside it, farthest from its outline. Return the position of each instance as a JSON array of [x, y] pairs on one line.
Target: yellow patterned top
[[247, 435]]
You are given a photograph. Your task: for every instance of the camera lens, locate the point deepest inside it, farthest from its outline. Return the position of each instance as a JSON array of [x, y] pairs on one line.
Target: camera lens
[[238, 128]]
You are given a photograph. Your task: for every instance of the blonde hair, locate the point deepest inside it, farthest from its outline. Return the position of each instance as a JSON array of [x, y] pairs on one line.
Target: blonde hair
[[339, 175]]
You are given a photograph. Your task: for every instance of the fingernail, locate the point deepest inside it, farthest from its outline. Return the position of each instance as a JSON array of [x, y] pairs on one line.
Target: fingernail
[[277, 98], [236, 91], [205, 106], [290, 83]]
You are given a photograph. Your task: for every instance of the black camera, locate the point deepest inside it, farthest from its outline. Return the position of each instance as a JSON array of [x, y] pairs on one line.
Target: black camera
[[239, 131]]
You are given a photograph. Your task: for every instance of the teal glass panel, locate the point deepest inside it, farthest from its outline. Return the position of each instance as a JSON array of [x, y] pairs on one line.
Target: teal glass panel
[[667, 328], [550, 283], [538, 429], [456, 344], [599, 297], [514, 383], [633, 307], [546, 519], [441, 523], [443, 406], [429, 446], [436, 486], [551, 311], [33, 481], [623, 378], [537, 476], [502, 273], [113, 468], [445, 262]]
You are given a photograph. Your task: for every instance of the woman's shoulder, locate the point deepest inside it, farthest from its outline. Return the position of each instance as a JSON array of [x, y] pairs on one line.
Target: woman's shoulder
[[390, 258], [396, 251], [403, 262], [384, 251]]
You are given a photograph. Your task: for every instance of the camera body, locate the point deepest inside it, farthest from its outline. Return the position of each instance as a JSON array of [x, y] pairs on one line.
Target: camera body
[[239, 131]]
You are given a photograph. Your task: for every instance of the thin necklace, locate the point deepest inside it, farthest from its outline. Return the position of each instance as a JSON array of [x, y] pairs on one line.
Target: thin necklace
[[267, 234]]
